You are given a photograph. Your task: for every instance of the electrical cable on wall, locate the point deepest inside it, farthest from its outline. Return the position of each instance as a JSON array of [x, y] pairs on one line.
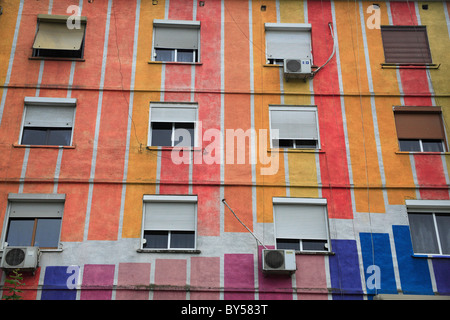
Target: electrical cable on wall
[[223, 200], [332, 54]]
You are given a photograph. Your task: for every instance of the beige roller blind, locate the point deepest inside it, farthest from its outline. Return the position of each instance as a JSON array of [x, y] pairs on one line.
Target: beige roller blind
[[54, 34]]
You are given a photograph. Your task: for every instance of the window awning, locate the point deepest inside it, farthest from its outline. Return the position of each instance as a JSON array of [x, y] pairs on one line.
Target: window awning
[[54, 34]]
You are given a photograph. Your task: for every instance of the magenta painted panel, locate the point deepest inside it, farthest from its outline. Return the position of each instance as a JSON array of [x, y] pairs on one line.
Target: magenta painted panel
[[310, 277], [133, 281], [239, 277], [273, 287], [204, 277], [170, 279], [98, 282]]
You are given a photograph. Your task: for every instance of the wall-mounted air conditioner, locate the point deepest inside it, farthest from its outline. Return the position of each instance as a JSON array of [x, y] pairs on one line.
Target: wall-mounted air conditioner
[[297, 68], [278, 261], [22, 258]]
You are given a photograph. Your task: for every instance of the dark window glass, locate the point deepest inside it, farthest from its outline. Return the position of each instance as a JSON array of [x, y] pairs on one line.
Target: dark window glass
[[156, 239], [46, 136], [305, 144], [165, 55], [53, 53], [284, 143], [182, 239], [443, 223], [161, 134], [59, 137], [409, 145], [20, 232], [423, 233], [34, 136], [185, 56], [432, 145], [47, 233], [314, 245], [288, 244], [184, 135]]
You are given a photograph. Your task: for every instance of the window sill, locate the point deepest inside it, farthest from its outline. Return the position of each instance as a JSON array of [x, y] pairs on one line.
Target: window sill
[[410, 66], [15, 145], [293, 150], [57, 59], [176, 63], [422, 153], [155, 148], [168, 251], [433, 256], [325, 253]]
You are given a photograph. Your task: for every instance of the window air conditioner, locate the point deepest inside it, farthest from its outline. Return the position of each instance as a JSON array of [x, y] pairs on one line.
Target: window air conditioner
[[23, 258], [297, 68], [278, 261]]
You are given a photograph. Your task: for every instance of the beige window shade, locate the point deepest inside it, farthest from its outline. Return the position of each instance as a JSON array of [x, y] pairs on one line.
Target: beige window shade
[[419, 123], [54, 34]]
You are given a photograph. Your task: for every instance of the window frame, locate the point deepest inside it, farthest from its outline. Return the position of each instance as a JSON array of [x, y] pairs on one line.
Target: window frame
[[33, 198], [177, 24], [430, 207], [387, 28], [297, 108], [287, 27], [191, 199], [183, 105], [320, 202], [36, 102], [421, 145], [58, 19], [401, 111]]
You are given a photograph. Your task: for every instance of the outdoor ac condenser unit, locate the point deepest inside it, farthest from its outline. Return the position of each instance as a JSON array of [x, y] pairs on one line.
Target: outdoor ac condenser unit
[[278, 261], [22, 258], [297, 68]]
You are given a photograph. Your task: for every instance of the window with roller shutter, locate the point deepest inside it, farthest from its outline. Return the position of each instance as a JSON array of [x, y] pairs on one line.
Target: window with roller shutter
[[406, 45]]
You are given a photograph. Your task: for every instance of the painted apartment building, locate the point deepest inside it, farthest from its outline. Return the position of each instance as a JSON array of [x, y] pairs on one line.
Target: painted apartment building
[[345, 162]]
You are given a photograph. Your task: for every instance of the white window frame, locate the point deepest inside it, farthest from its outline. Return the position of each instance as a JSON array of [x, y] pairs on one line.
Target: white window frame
[[31, 102], [421, 145], [308, 202], [32, 198], [184, 105], [169, 199], [180, 24], [297, 108], [431, 207]]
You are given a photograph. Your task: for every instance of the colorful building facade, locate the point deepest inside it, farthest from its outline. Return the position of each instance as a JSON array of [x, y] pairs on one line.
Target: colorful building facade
[[110, 177]]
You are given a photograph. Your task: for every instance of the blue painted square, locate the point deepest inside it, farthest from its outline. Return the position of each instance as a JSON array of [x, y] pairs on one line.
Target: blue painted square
[[60, 283], [376, 251]]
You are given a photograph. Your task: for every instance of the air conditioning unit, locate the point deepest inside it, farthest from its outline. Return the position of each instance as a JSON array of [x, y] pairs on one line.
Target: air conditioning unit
[[297, 68], [278, 261], [23, 258]]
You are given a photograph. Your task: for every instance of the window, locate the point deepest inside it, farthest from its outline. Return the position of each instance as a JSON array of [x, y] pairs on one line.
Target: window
[[294, 127], [48, 121], [301, 224], [169, 222], [55, 39], [287, 41], [429, 222], [406, 44], [176, 41], [34, 220], [172, 124], [420, 129]]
